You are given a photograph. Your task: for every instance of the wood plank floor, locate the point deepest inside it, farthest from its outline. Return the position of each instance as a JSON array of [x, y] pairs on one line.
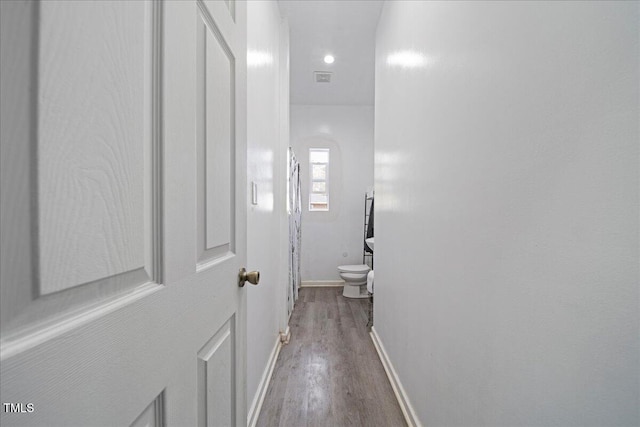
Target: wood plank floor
[[329, 374]]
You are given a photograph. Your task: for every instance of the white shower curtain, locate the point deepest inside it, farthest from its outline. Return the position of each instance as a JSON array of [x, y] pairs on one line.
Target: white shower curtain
[[295, 218]]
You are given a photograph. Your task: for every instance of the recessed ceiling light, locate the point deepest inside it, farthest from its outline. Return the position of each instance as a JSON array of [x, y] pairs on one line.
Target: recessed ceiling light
[[329, 59]]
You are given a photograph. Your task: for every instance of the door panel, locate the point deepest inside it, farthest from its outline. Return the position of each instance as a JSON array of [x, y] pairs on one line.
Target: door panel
[[86, 232], [120, 181], [90, 174], [216, 140], [215, 384]]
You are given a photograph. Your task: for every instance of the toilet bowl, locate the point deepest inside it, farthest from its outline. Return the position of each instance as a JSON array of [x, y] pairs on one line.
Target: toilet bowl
[[355, 280]]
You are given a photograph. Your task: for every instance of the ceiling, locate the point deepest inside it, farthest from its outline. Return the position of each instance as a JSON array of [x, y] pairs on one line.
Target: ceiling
[[345, 29]]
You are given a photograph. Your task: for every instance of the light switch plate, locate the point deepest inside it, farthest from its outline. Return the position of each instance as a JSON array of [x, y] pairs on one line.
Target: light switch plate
[[254, 193]]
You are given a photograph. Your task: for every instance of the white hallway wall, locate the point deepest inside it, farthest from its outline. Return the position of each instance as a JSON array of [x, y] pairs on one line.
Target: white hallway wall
[[328, 236], [507, 217], [267, 143]]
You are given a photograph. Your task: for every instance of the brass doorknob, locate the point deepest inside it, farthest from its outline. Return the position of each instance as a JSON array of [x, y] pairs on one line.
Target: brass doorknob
[[252, 277]]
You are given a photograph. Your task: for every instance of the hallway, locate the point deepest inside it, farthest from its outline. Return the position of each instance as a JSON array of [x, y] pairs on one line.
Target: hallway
[[329, 374], [155, 154]]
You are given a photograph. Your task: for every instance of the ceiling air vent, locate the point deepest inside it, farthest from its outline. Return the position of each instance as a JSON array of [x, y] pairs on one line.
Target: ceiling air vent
[[322, 76]]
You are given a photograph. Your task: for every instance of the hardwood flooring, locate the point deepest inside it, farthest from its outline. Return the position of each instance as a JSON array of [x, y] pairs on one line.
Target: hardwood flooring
[[329, 374]]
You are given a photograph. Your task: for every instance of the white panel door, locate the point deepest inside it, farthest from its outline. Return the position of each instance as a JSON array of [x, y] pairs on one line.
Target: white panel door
[[123, 213]]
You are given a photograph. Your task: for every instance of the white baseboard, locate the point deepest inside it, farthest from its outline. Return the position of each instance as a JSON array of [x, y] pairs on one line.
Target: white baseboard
[[405, 404], [258, 399], [321, 283]]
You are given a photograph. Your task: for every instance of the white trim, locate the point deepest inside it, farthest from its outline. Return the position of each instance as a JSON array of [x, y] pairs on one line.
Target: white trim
[[405, 404], [321, 283], [258, 399]]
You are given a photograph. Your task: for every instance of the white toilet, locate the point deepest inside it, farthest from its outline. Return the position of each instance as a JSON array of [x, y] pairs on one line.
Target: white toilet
[[355, 280]]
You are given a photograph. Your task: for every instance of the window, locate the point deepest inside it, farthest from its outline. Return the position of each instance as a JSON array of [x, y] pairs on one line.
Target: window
[[319, 179]]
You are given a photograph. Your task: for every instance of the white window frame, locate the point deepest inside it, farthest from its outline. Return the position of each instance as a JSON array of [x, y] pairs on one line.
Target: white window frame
[[313, 208]]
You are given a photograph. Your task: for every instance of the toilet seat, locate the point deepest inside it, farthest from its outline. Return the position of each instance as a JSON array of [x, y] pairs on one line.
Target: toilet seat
[[354, 268]]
